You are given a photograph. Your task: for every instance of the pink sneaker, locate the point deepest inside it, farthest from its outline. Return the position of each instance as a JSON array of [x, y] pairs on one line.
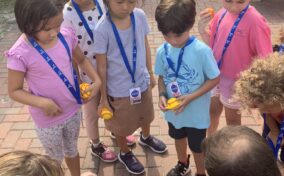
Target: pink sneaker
[[104, 153], [130, 139]]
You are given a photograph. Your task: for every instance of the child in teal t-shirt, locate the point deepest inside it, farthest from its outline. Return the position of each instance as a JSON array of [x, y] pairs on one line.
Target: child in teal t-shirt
[[187, 71]]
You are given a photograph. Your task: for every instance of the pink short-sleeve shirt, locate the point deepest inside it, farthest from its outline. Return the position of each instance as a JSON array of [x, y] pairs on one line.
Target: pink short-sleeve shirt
[[252, 38], [42, 80]]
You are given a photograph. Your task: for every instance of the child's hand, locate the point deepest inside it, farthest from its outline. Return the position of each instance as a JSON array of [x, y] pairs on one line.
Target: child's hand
[[153, 82], [184, 101], [50, 108], [162, 103], [205, 18], [104, 104], [94, 91]]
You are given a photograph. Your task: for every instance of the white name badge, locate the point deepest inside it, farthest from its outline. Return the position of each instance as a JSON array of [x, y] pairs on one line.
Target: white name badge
[[135, 95], [174, 89]]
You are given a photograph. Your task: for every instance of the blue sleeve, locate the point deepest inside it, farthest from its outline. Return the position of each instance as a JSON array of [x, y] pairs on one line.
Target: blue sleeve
[[143, 22], [160, 67], [210, 67], [100, 40]]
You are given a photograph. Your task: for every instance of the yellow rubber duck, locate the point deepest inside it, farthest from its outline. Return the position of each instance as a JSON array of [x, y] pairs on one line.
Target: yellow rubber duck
[[211, 11], [172, 103], [106, 114], [83, 87]]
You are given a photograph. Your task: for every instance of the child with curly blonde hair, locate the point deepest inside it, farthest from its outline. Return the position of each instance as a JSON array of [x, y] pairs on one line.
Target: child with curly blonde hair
[[262, 87]]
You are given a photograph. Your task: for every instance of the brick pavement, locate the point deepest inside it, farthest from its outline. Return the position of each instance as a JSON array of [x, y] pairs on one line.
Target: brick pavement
[[17, 130]]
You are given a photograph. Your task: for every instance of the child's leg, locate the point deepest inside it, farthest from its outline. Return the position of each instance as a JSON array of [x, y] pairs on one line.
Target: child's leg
[[216, 108], [233, 116], [51, 140], [91, 116], [181, 148], [70, 138], [146, 130], [199, 162], [180, 136], [73, 165], [195, 138], [97, 147], [122, 143]]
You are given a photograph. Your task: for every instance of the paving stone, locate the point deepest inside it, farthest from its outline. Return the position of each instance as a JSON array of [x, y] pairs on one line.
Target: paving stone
[[4, 129], [17, 118], [11, 139]]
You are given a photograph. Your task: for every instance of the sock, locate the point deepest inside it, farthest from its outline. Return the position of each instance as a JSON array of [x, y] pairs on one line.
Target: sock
[[144, 137], [96, 145], [121, 153]]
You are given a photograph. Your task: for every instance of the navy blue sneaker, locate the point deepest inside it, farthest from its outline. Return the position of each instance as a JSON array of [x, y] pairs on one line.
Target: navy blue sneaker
[[131, 163], [155, 144]]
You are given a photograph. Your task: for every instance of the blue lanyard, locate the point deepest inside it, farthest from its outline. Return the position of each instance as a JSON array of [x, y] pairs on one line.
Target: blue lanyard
[[276, 148], [169, 60], [75, 92], [80, 14], [281, 49], [121, 48], [231, 34]]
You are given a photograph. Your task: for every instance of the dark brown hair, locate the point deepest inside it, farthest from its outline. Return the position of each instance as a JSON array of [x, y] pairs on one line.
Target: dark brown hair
[[33, 15], [175, 16], [238, 151]]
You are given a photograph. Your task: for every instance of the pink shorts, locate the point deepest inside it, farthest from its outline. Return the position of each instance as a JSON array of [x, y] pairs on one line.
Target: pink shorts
[[225, 90]]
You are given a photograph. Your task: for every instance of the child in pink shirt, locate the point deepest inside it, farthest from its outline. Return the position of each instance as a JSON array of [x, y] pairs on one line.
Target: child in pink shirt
[[43, 57], [237, 34]]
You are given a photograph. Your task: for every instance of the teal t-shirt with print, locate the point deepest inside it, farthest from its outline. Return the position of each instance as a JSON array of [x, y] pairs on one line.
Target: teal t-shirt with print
[[198, 65]]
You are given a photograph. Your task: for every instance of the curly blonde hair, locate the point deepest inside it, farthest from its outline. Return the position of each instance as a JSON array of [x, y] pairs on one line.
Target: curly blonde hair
[[262, 83], [25, 163]]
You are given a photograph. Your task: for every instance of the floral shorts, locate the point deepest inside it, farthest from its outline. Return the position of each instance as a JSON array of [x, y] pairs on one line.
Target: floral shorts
[[60, 141]]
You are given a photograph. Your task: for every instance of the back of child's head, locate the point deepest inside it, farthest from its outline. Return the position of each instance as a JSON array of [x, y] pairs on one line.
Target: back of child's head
[[263, 82], [25, 163], [175, 16], [33, 15], [238, 151]]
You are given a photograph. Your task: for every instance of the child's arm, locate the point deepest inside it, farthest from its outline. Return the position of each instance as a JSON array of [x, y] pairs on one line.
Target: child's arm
[[76, 68], [16, 92], [162, 93], [102, 70], [205, 18], [149, 63], [88, 68], [186, 99]]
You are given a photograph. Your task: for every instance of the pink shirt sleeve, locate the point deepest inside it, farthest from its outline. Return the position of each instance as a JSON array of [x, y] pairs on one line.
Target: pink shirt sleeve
[[15, 60], [70, 37]]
